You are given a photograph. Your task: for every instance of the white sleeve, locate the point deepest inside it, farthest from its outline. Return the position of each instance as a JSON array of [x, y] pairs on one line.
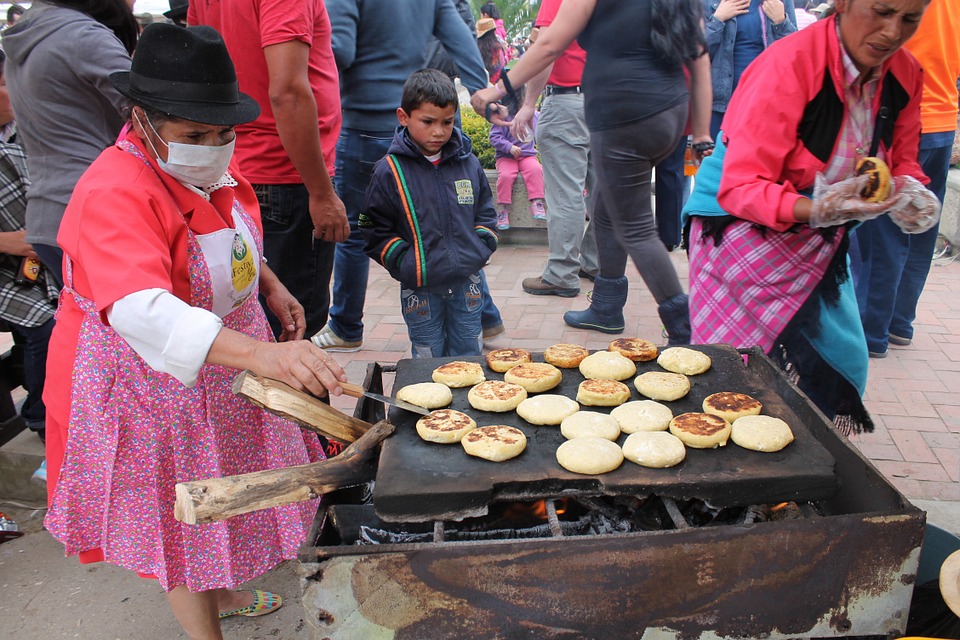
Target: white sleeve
[[170, 335]]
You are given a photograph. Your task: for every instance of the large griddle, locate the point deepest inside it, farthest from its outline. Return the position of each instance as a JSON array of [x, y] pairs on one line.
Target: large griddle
[[420, 481]]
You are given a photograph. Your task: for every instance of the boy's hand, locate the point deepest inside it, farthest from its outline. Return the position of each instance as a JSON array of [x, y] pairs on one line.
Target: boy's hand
[[515, 151]]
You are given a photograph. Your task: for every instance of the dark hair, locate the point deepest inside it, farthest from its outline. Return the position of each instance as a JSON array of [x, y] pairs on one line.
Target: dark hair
[[491, 10], [489, 45], [114, 14], [14, 10], [676, 31], [428, 85], [3, 62]]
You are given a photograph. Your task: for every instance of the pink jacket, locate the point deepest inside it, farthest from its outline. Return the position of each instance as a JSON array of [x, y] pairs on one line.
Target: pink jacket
[[774, 152]]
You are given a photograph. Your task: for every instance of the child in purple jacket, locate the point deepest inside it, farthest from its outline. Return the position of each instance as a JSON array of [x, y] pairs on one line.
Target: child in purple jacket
[[512, 158]]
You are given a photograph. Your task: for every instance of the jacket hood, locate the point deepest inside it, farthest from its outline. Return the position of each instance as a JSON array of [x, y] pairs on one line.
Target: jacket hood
[[458, 146], [39, 22]]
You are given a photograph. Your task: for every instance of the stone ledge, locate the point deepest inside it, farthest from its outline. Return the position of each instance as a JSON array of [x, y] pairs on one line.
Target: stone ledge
[[950, 217], [523, 228]]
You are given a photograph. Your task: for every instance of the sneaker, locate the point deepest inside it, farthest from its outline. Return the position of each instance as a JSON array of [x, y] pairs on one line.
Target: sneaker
[[592, 277], [503, 219], [40, 475], [540, 287], [327, 340], [877, 354], [900, 341], [538, 209]]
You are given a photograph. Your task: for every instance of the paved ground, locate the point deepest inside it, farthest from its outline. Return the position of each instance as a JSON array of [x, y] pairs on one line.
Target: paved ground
[[912, 396]]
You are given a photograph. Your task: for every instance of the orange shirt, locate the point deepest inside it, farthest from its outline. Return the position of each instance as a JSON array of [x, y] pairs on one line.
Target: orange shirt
[[937, 46]]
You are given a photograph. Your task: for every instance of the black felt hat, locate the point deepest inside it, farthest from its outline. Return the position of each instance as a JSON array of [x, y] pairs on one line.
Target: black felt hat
[[186, 73], [178, 9]]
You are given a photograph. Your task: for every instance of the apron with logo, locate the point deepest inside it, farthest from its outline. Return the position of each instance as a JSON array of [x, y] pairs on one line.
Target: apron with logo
[[135, 432]]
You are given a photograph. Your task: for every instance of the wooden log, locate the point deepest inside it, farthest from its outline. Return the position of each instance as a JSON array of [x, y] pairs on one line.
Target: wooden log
[[205, 501], [309, 412]]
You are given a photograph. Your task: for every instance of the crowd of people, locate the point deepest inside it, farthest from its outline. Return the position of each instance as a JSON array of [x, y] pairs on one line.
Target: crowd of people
[[190, 198]]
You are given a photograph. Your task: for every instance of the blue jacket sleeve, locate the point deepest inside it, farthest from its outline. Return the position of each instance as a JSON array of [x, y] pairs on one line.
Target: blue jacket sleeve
[[379, 221], [789, 25], [344, 18], [460, 45], [485, 218]]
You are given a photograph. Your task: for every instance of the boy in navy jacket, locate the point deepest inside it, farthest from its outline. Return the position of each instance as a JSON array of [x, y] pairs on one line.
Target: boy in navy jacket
[[428, 218]]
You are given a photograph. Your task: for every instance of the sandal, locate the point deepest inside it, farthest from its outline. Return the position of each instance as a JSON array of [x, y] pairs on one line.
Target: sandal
[[264, 602]]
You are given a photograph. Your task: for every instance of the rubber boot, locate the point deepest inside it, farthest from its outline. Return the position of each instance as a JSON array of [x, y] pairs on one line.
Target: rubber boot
[[606, 307], [675, 315]]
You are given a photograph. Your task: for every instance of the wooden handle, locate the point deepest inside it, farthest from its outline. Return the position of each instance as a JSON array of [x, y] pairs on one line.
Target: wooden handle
[[307, 411], [352, 390], [205, 501]]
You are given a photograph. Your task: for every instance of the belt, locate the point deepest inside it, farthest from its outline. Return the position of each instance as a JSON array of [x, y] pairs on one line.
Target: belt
[[555, 90]]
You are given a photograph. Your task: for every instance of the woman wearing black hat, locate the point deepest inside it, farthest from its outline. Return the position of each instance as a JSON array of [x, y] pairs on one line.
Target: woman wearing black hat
[[163, 246]]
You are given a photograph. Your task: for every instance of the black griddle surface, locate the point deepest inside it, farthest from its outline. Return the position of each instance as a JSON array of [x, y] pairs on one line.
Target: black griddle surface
[[421, 481]]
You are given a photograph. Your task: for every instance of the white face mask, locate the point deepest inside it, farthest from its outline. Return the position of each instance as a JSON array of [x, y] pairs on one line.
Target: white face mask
[[196, 164]]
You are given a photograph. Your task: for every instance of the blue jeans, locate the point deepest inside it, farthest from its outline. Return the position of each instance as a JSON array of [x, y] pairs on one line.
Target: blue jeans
[[445, 323], [35, 341], [357, 153], [894, 265], [671, 190], [301, 263]]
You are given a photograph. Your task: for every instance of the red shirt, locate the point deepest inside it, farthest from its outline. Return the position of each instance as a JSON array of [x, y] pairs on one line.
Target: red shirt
[[247, 27], [568, 68]]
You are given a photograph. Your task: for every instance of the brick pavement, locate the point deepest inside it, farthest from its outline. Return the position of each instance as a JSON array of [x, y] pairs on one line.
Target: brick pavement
[[912, 394]]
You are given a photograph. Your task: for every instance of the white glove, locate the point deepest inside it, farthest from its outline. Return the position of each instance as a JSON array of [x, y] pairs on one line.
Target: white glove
[[915, 209], [840, 202]]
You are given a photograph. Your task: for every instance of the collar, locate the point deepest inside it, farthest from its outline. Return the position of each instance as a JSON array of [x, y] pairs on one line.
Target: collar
[[226, 181], [8, 131]]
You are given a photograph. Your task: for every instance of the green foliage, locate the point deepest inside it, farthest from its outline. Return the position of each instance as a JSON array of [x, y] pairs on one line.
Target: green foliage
[[516, 14], [478, 130]]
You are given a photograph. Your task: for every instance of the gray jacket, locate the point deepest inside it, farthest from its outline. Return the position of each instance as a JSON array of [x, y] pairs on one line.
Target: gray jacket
[[720, 39], [378, 43], [58, 66]]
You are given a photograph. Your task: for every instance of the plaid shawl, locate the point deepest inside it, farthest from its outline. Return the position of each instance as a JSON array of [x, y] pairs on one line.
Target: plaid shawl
[[745, 291]]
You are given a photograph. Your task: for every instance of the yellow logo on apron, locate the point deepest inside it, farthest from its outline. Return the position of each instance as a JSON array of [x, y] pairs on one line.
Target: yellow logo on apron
[[244, 271]]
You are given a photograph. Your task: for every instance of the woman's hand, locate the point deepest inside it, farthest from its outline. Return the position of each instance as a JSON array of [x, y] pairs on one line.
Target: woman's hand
[[732, 8], [485, 99], [841, 202], [774, 10], [283, 305], [300, 364]]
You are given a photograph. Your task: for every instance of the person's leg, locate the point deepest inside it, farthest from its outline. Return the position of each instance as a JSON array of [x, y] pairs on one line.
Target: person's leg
[[357, 153], [197, 612], [462, 319], [52, 259], [36, 339], [936, 164], [670, 196], [532, 173], [490, 318], [883, 253], [507, 169], [625, 158], [564, 144], [302, 263], [423, 314]]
